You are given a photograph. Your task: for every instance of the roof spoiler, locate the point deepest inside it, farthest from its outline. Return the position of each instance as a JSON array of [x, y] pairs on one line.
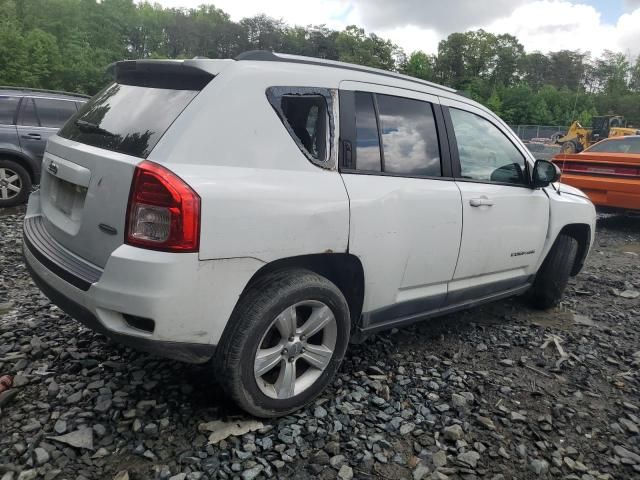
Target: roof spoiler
[[171, 74]]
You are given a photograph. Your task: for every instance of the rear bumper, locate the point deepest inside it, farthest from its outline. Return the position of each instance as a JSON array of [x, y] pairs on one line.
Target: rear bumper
[[174, 305], [607, 191], [129, 288], [185, 352]]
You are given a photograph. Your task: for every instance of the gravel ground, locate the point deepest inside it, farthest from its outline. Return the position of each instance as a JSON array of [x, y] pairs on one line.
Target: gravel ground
[[471, 395]]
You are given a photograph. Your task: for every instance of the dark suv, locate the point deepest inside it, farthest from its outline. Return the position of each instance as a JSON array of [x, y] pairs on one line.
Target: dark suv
[[27, 118]]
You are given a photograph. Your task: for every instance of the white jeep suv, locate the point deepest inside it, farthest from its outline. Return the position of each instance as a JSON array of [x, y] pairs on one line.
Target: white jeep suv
[[259, 213]]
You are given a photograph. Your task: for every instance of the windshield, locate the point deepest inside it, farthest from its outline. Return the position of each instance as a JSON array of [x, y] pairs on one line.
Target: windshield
[[127, 118], [623, 145]]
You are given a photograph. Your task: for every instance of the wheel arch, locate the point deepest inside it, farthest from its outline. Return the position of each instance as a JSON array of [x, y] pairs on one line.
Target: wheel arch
[[582, 233], [343, 269], [24, 160]]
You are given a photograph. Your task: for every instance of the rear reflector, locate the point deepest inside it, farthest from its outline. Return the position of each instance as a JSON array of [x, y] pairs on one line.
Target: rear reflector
[[141, 323], [599, 169], [163, 211]]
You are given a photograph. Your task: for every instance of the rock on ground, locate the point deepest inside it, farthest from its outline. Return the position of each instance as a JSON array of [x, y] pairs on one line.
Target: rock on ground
[[470, 395]]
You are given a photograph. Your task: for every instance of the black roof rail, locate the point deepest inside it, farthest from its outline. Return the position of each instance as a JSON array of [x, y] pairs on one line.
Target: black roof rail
[[268, 56], [42, 90]]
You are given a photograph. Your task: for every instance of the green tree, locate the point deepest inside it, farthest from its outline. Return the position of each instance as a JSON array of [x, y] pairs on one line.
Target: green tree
[[68, 44], [535, 69], [634, 80], [419, 65], [610, 72], [354, 46]]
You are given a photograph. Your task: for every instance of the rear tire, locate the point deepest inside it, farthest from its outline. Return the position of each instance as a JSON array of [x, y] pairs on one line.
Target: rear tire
[[266, 333], [15, 183], [551, 280]]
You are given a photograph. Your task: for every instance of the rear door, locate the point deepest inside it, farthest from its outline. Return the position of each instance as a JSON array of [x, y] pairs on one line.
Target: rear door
[[38, 119], [505, 220], [406, 216], [8, 133], [89, 165]]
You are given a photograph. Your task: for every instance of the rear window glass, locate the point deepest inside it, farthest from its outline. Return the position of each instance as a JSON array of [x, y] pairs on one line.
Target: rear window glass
[[126, 118], [627, 145]]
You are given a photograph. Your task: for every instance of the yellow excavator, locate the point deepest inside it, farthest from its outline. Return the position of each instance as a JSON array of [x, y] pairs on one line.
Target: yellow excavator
[[578, 137]]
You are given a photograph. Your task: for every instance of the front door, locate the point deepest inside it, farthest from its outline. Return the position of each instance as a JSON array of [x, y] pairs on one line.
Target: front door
[[504, 219]]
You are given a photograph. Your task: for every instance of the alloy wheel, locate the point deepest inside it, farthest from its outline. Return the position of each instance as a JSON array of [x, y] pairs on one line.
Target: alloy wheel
[[295, 349], [10, 183]]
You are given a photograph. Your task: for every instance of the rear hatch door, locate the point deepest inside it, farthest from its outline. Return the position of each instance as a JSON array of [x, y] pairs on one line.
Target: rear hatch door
[[89, 165]]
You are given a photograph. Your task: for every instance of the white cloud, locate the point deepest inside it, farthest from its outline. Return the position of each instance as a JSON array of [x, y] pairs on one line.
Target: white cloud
[[628, 33], [545, 25], [445, 17], [333, 13], [412, 38], [549, 25]]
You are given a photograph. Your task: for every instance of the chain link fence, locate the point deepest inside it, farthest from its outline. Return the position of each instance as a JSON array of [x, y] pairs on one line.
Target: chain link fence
[[529, 132]]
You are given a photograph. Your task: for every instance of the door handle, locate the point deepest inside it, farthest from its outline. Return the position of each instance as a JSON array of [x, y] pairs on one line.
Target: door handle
[[32, 136], [479, 202]]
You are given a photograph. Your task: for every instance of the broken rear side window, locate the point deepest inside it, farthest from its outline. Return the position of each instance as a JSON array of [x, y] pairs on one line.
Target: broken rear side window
[[306, 115]]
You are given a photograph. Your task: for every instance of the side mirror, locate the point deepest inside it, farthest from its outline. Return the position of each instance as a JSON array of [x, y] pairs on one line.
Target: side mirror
[[544, 173]]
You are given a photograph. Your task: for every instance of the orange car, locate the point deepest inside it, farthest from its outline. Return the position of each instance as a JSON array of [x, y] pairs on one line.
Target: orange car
[[608, 172]]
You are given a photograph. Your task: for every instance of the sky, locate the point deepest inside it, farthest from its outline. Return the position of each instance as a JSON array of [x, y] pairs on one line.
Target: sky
[[544, 25]]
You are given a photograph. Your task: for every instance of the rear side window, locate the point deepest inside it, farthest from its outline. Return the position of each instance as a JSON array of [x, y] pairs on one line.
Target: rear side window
[[27, 116], [367, 140], [307, 117], [8, 107], [54, 113], [409, 137], [127, 119], [407, 130]]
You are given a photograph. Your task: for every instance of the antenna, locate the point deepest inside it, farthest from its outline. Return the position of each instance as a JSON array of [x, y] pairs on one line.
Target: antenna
[[573, 115]]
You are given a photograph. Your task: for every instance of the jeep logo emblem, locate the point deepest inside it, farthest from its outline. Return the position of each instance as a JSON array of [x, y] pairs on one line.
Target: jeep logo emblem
[[53, 168]]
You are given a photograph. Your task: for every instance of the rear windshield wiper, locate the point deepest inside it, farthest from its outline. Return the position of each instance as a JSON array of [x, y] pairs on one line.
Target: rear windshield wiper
[[93, 128]]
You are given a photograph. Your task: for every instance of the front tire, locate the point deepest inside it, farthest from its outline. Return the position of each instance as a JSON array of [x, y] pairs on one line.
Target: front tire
[[284, 342], [551, 280], [15, 183]]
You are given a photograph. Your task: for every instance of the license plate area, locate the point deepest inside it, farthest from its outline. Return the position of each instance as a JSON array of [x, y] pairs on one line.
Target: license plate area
[[67, 197]]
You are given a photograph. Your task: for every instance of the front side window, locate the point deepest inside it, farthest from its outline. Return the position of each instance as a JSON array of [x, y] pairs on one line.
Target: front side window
[[409, 137], [485, 153], [54, 113], [8, 107]]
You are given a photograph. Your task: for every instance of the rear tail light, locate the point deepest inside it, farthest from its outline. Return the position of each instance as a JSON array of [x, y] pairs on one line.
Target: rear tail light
[[163, 211], [600, 169]]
